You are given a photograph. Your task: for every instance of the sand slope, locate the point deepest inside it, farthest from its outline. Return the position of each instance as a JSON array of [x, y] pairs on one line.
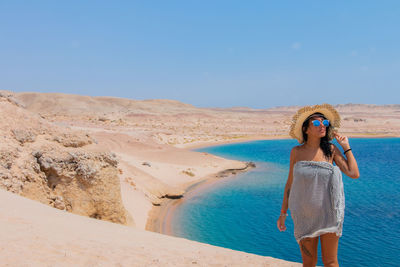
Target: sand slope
[[33, 234]]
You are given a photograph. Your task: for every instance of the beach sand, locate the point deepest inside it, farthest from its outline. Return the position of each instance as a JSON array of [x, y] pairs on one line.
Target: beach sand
[[152, 142]]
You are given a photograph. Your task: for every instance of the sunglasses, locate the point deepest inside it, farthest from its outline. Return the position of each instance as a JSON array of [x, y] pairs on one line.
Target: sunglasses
[[317, 123]]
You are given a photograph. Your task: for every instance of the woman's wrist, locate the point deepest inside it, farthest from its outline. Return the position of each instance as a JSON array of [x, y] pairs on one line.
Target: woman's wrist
[[347, 150], [346, 147]]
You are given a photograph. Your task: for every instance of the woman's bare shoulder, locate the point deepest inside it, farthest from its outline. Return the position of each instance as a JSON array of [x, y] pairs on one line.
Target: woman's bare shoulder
[[296, 150]]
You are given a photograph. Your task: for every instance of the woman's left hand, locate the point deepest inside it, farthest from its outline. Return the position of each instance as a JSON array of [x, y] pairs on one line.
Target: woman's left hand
[[342, 140]]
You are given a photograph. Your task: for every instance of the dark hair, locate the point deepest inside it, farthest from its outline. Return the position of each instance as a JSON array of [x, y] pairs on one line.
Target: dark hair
[[325, 145]]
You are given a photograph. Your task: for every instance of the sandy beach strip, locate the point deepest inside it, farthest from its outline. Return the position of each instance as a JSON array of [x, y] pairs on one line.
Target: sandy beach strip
[[160, 217], [203, 144]]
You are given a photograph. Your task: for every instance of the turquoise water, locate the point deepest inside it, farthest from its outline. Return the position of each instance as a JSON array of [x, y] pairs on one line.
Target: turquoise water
[[241, 212]]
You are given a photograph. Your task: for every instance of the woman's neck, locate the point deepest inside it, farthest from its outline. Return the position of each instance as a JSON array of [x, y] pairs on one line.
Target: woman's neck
[[313, 143]]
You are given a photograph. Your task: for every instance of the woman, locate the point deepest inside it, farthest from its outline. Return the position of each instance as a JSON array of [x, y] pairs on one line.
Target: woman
[[314, 188]]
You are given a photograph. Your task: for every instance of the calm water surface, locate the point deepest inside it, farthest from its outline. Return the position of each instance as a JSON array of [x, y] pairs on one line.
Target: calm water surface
[[241, 212]]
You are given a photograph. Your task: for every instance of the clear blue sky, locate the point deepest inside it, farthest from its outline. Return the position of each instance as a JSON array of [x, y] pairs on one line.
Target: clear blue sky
[[207, 53]]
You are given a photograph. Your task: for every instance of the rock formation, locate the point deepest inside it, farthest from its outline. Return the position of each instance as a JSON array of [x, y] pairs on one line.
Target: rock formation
[[46, 162]]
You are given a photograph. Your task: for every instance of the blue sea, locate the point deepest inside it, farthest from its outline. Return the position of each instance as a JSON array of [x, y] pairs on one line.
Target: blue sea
[[240, 212]]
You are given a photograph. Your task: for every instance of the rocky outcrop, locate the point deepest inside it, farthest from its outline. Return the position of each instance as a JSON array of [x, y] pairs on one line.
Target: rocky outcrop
[[73, 140], [49, 163], [9, 96], [24, 135], [227, 172], [82, 182]]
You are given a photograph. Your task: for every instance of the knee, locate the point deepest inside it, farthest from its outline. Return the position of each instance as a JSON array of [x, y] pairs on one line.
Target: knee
[[332, 262], [310, 262]]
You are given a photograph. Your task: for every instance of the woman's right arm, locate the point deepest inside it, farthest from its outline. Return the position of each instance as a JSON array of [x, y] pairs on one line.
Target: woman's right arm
[[282, 217]]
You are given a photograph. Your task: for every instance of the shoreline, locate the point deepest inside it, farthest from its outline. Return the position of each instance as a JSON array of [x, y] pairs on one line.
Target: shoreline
[[160, 217], [204, 144]]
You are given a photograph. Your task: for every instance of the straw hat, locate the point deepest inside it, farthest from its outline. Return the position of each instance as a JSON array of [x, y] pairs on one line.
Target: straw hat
[[302, 114]]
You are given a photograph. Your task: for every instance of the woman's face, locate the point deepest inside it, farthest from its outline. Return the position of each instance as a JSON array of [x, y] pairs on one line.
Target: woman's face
[[316, 131]]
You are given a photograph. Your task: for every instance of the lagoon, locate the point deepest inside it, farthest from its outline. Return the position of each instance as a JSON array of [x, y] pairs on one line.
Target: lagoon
[[240, 212]]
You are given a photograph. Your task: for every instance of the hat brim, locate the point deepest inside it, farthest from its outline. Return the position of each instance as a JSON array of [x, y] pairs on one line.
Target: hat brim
[[302, 114]]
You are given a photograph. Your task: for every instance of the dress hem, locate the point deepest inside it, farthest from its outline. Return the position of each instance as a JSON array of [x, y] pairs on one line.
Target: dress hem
[[321, 232]]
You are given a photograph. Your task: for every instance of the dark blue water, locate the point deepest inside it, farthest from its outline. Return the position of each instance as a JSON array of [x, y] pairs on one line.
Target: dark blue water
[[241, 212]]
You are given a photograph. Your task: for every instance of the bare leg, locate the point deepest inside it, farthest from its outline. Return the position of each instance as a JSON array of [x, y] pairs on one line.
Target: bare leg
[[309, 251], [329, 248]]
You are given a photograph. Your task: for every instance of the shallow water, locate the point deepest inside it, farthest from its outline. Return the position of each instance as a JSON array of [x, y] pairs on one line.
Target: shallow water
[[241, 212]]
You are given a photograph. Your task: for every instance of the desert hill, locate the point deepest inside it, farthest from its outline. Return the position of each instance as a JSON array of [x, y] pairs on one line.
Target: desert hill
[[180, 124]]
